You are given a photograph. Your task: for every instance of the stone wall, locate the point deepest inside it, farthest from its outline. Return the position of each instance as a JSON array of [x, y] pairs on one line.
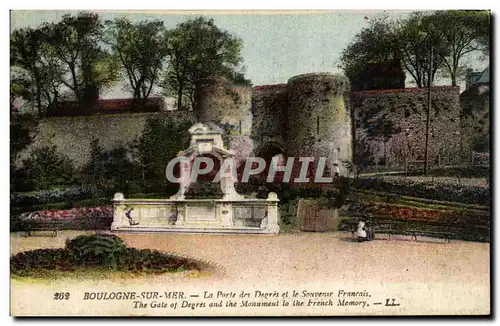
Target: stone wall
[[73, 135], [312, 115], [227, 105], [390, 126]]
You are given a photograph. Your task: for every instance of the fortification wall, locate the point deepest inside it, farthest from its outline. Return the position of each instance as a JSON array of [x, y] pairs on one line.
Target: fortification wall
[[269, 104], [309, 116], [73, 135], [390, 126]]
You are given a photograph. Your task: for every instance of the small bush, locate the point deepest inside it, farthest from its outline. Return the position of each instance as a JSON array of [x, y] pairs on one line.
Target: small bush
[[72, 193], [45, 167], [99, 250], [204, 190], [40, 259]]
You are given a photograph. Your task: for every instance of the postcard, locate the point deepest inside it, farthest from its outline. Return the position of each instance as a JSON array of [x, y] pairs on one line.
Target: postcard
[[250, 163]]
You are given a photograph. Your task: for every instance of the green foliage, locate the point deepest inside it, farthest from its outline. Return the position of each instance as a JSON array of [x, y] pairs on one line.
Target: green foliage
[[161, 140], [75, 42], [92, 252], [40, 259], [204, 190], [45, 167], [198, 51], [448, 35], [84, 55], [98, 249], [374, 44], [141, 50], [110, 170], [21, 129], [20, 87], [459, 32], [33, 60], [431, 190], [140, 168], [147, 260]]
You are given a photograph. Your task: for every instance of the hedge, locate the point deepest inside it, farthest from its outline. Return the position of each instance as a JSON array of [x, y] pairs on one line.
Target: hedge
[[431, 190]]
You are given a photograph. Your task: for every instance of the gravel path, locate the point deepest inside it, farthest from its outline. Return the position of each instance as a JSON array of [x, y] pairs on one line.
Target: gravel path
[[308, 260]]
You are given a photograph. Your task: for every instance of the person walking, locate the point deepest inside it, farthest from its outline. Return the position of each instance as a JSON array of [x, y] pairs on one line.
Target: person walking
[[336, 170]]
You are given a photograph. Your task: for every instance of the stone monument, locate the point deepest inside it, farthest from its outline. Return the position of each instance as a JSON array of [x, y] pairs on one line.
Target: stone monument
[[233, 213]]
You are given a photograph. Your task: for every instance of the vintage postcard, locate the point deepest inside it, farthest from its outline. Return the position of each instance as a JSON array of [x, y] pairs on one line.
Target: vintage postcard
[[250, 163]]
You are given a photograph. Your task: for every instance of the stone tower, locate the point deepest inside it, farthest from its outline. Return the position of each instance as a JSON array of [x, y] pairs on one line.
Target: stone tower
[[318, 118], [229, 106]]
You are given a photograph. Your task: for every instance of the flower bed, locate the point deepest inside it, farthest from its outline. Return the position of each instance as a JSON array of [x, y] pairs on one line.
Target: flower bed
[[399, 212], [85, 218], [69, 214], [437, 191]]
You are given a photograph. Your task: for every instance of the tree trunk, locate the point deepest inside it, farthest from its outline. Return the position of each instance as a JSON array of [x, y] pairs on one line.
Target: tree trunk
[[179, 96], [385, 153], [454, 79]]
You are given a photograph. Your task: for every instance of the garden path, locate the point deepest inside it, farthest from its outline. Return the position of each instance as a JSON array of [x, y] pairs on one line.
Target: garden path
[[307, 261]]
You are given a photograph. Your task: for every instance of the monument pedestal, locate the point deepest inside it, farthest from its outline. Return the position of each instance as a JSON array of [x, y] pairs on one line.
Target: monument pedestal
[[196, 215]]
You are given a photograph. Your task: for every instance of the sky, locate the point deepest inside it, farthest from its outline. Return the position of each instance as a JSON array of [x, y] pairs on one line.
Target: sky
[[276, 45]]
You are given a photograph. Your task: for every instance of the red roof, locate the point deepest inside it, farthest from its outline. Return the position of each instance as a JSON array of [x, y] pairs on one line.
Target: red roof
[[406, 90], [121, 103]]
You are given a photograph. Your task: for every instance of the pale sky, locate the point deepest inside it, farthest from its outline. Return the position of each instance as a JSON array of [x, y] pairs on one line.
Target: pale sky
[[276, 46]]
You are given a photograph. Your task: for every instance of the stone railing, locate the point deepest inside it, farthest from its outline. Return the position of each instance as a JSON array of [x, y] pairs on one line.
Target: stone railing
[[196, 215]]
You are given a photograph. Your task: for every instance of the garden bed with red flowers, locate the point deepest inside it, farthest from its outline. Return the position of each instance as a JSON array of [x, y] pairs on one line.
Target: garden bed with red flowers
[[82, 218], [458, 217]]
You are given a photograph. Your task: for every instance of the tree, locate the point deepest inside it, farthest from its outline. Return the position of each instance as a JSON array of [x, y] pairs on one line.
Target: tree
[[75, 42], [161, 141], [25, 53], [20, 87], [32, 60], [461, 32], [374, 45], [141, 50], [198, 51], [418, 45]]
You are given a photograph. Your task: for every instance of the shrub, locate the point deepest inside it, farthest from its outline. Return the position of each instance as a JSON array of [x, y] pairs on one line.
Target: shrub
[[50, 259], [110, 171], [93, 251], [72, 193], [143, 260], [98, 249], [161, 140], [431, 190], [204, 190], [45, 167]]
